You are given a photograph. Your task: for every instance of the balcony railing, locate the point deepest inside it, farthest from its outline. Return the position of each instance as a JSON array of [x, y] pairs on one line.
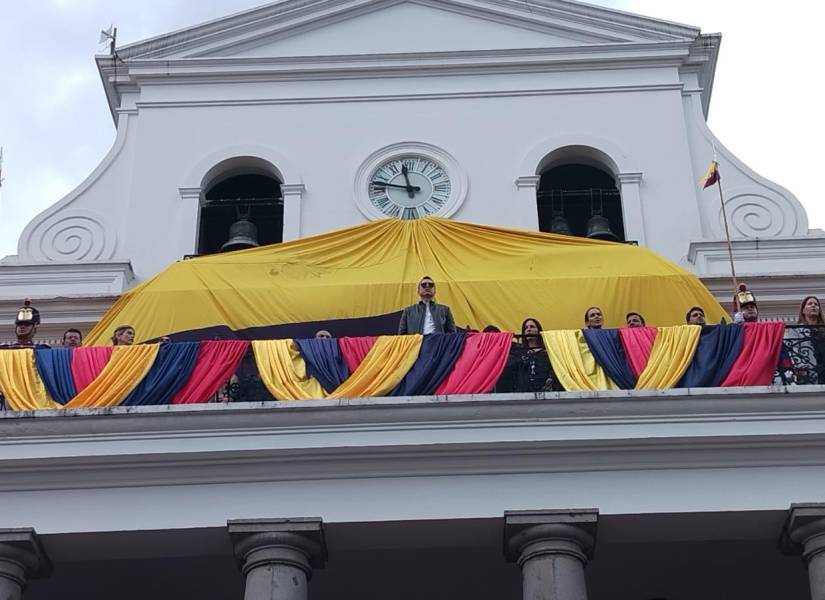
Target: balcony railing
[[802, 361]]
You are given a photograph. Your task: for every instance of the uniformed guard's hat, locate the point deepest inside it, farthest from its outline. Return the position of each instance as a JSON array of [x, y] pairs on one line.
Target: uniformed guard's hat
[[744, 296], [27, 314]]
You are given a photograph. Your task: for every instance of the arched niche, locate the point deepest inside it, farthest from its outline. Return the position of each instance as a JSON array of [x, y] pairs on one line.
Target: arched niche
[[577, 183], [242, 188]]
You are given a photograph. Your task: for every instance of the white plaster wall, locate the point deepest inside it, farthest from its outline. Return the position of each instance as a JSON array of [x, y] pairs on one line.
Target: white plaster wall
[[326, 129]]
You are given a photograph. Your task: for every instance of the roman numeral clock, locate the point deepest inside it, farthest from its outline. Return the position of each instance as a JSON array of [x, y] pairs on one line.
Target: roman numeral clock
[[408, 181]]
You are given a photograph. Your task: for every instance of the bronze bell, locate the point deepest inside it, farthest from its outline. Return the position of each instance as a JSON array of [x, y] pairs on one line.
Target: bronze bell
[[243, 234], [560, 226], [598, 228]]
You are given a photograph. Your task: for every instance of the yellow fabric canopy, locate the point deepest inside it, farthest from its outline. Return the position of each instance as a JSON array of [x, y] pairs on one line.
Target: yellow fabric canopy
[[487, 275]]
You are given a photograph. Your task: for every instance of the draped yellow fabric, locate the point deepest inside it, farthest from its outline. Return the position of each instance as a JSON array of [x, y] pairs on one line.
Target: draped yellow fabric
[[487, 275], [20, 382], [573, 363], [125, 370], [284, 372], [383, 367], [670, 357]]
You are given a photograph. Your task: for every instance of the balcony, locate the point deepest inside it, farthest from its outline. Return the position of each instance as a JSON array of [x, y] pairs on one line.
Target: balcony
[[692, 487]]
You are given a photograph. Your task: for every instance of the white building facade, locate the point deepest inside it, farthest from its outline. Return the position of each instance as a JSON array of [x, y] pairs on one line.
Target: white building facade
[[639, 495], [318, 95]]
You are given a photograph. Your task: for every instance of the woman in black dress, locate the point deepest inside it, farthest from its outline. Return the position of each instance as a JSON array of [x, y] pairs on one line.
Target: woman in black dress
[[528, 367]]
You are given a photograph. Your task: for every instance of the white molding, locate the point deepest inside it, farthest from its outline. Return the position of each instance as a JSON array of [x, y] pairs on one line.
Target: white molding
[[53, 279], [530, 182], [292, 194], [460, 183], [633, 213], [271, 19], [614, 158], [149, 105], [413, 436], [284, 169], [760, 256]]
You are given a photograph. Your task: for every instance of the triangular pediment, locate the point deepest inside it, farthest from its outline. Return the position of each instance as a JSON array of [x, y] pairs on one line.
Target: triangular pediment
[[352, 27]]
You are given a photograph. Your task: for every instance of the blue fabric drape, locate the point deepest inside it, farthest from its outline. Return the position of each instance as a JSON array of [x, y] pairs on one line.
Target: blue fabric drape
[[55, 368], [170, 372], [606, 347], [324, 361], [437, 357], [719, 346]]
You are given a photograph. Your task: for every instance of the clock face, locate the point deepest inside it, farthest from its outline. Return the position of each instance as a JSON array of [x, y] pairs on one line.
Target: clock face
[[410, 187]]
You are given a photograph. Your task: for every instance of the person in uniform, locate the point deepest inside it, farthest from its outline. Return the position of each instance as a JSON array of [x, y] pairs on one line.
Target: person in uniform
[[747, 311], [25, 326]]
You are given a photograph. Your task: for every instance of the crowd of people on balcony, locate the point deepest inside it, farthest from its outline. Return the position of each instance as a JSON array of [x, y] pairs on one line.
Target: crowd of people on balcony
[[528, 367]]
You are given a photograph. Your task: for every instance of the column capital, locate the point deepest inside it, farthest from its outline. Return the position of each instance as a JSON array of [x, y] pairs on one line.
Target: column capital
[[298, 542], [189, 192], [530, 533], [21, 547], [635, 177], [804, 530], [528, 181], [293, 189]]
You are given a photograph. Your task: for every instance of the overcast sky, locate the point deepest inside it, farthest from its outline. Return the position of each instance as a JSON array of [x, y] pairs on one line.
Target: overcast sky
[[55, 126]]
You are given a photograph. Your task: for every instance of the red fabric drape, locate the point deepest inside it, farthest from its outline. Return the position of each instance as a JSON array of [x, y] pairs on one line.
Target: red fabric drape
[[217, 362], [87, 363], [759, 356], [637, 343], [480, 365], [355, 349]]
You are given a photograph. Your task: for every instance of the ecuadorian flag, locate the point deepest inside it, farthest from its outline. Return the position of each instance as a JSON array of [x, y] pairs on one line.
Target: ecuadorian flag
[[712, 176]]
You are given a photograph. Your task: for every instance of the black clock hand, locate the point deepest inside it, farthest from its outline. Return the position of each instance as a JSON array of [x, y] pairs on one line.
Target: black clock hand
[[410, 190], [393, 185]]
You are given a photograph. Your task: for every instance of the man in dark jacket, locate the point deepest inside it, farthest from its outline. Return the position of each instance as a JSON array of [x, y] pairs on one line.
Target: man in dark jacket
[[426, 316]]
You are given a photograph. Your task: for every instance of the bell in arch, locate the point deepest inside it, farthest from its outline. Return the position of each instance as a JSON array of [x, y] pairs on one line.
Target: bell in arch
[[598, 228], [560, 226], [243, 234]]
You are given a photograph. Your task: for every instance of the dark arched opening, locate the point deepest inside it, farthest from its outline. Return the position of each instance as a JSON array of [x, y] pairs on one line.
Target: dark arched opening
[[252, 197], [572, 195]]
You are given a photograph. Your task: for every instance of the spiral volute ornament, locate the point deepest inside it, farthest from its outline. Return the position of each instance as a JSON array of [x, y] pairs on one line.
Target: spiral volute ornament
[[759, 216], [78, 236]]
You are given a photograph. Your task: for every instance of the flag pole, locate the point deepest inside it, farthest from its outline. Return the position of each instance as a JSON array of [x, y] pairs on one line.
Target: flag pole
[[727, 230]]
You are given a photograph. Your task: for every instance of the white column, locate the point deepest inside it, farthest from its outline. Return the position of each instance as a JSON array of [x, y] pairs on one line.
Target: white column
[[21, 558], [804, 533], [189, 220], [527, 186], [552, 548], [292, 194], [277, 556], [634, 224]]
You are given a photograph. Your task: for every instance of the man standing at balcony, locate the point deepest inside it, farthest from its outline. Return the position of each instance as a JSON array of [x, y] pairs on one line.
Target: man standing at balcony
[[426, 316]]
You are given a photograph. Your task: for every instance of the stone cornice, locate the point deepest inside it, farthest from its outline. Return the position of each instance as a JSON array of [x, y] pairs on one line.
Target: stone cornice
[[199, 53], [292, 15], [419, 436]]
